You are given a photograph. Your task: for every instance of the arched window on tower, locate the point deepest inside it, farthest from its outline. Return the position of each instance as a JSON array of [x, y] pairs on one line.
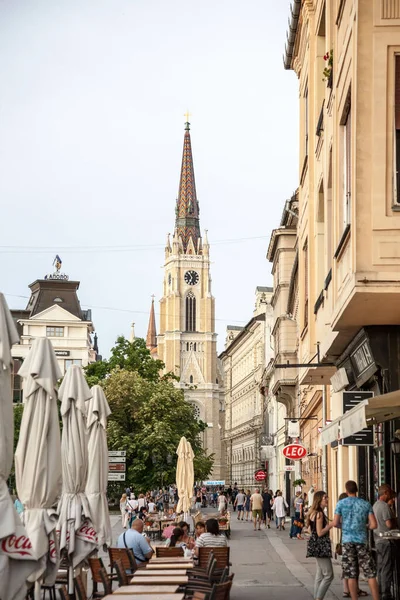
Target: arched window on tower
[[191, 379], [190, 312]]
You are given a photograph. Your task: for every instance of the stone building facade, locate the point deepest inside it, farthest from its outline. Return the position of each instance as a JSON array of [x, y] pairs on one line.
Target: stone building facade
[[243, 361]]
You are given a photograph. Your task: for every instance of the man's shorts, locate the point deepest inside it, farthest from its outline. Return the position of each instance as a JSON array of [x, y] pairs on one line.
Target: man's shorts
[[257, 513], [240, 507], [356, 557]]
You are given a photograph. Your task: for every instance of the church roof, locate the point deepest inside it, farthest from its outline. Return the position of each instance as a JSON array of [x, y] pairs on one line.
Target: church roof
[[187, 222], [151, 339]]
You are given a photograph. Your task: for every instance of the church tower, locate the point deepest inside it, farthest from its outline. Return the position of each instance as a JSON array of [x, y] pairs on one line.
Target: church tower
[[187, 342]]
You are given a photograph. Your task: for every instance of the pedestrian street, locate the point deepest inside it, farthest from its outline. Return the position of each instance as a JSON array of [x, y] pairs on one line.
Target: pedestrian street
[[267, 564]]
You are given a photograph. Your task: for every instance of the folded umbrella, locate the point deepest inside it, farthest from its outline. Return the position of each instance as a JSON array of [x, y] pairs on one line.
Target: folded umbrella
[[77, 534], [184, 476], [96, 486], [38, 456], [17, 560]]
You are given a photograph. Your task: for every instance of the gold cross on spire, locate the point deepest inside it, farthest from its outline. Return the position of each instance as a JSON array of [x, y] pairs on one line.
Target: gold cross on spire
[[187, 115]]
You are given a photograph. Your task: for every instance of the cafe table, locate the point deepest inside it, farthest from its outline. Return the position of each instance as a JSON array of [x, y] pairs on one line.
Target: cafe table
[[170, 559], [150, 596], [160, 580], [175, 566], [155, 572], [146, 589]]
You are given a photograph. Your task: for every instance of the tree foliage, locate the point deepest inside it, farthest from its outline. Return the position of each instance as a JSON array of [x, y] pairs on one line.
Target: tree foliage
[[148, 419], [132, 356]]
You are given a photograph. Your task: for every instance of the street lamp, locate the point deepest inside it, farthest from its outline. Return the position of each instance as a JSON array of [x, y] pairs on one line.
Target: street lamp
[[395, 443]]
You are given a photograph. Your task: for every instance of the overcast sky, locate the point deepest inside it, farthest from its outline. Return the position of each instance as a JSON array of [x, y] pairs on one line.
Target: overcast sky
[[92, 100]]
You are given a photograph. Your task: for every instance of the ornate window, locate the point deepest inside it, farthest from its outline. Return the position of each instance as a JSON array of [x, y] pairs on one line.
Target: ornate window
[[190, 313], [196, 411], [191, 379]]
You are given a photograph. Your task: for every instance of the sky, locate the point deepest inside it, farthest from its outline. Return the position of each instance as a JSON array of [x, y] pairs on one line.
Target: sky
[[92, 107]]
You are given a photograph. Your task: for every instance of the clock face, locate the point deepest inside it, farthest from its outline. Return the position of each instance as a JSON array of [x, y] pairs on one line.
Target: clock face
[[191, 277]]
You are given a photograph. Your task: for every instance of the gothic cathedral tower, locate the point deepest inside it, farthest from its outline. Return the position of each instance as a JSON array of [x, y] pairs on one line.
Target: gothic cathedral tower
[[187, 342]]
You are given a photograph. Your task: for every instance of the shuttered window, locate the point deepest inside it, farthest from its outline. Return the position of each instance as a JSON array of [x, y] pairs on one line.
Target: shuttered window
[[396, 133], [190, 312]]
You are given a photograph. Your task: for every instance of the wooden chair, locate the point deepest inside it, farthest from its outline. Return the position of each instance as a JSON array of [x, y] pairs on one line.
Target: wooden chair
[[126, 556], [200, 570], [221, 555], [164, 552], [106, 581], [80, 588], [204, 574], [221, 591], [123, 578], [96, 564], [63, 593]]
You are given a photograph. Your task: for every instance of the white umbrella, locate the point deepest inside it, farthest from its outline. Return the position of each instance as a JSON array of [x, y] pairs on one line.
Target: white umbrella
[[96, 486], [38, 456], [17, 560], [184, 476], [77, 534]]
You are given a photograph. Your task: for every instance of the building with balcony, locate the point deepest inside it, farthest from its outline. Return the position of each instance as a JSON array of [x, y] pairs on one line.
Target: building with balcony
[[346, 55], [246, 351], [54, 311]]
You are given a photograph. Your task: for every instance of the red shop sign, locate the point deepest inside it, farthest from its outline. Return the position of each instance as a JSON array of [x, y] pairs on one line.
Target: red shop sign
[[295, 451], [260, 475]]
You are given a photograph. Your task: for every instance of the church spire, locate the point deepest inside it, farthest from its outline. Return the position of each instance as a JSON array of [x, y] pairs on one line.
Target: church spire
[[151, 339], [187, 222]]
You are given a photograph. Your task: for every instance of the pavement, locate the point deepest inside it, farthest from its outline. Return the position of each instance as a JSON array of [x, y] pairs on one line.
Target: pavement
[[267, 564]]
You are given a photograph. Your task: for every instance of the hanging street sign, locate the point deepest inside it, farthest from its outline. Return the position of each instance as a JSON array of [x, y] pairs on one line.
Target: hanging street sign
[[117, 453], [116, 477], [295, 451], [116, 459], [289, 468], [117, 467], [260, 475]]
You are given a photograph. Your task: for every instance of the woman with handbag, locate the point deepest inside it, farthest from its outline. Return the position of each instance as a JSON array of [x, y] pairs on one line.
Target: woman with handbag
[[319, 544]]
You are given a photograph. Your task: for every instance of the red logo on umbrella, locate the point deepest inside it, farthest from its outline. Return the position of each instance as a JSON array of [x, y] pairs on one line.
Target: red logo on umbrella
[[14, 545]]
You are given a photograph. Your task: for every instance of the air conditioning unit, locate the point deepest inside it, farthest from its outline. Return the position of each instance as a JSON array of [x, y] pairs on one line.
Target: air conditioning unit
[[339, 380]]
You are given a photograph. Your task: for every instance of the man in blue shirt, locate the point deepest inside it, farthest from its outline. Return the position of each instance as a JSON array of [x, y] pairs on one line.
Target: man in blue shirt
[[354, 515], [133, 539]]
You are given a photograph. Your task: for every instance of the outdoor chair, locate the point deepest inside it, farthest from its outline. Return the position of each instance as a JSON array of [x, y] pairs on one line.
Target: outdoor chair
[[200, 570], [106, 581], [96, 564], [63, 593], [221, 555], [221, 591], [80, 588], [207, 587], [207, 574], [123, 578], [164, 552], [126, 556]]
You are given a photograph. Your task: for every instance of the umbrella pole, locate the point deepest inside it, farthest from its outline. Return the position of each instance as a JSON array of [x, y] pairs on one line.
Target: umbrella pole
[[71, 580], [37, 590]]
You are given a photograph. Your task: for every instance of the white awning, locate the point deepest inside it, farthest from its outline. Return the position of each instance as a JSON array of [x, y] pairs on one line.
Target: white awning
[[369, 412]]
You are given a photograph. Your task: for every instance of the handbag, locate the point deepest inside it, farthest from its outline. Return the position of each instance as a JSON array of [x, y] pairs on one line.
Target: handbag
[[339, 547]]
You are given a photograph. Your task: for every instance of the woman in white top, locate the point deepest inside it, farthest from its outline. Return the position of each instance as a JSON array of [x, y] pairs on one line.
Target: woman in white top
[[212, 537], [221, 503], [124, 512], [280, 506], [142, 501]]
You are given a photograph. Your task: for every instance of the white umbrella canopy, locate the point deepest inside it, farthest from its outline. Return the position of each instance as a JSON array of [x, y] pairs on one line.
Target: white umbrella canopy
[[38, 455], [184, 475], [17, 560], [77, 534], [96, 486]]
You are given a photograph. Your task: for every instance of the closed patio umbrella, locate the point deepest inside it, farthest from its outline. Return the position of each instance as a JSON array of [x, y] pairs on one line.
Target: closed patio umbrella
[[184, 476], [38, 455], [96, 486], [77, 534], [17, 560]]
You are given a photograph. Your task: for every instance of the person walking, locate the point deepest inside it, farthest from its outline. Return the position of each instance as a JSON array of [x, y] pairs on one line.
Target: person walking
[[124, 510], [222, 503], [297, 522], [319, 544], [280, 507], [198, 500], [355, 515], [247, 505], [384, 558], [256, 504], [239, 503], [267, 509]]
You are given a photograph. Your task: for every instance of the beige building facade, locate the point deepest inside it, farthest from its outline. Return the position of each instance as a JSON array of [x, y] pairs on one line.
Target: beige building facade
[[247, 350], [187, 342], [346, 55]]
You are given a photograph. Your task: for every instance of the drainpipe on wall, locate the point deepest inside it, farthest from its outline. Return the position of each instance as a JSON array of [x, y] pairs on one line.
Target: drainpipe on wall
[[324, 448]]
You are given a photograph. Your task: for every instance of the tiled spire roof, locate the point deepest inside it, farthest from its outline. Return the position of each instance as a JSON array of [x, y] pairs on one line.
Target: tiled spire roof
[[151, 339], [187, 223]]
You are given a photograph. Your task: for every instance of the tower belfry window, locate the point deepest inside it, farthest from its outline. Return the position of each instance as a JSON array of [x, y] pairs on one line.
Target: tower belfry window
[[190, 312]]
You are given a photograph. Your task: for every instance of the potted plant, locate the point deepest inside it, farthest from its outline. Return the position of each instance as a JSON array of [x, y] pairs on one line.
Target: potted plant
[[299, 482], [327, 72]]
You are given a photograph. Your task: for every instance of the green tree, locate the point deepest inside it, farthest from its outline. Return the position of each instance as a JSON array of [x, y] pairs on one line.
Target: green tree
[[132, 356], [148, 419]]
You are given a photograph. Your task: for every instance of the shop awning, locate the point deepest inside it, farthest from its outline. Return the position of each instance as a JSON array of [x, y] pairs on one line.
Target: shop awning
[[369, 412]]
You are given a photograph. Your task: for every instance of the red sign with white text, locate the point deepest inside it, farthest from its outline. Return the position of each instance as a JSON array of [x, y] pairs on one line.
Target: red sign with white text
[[295, 451], [260, 475]]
